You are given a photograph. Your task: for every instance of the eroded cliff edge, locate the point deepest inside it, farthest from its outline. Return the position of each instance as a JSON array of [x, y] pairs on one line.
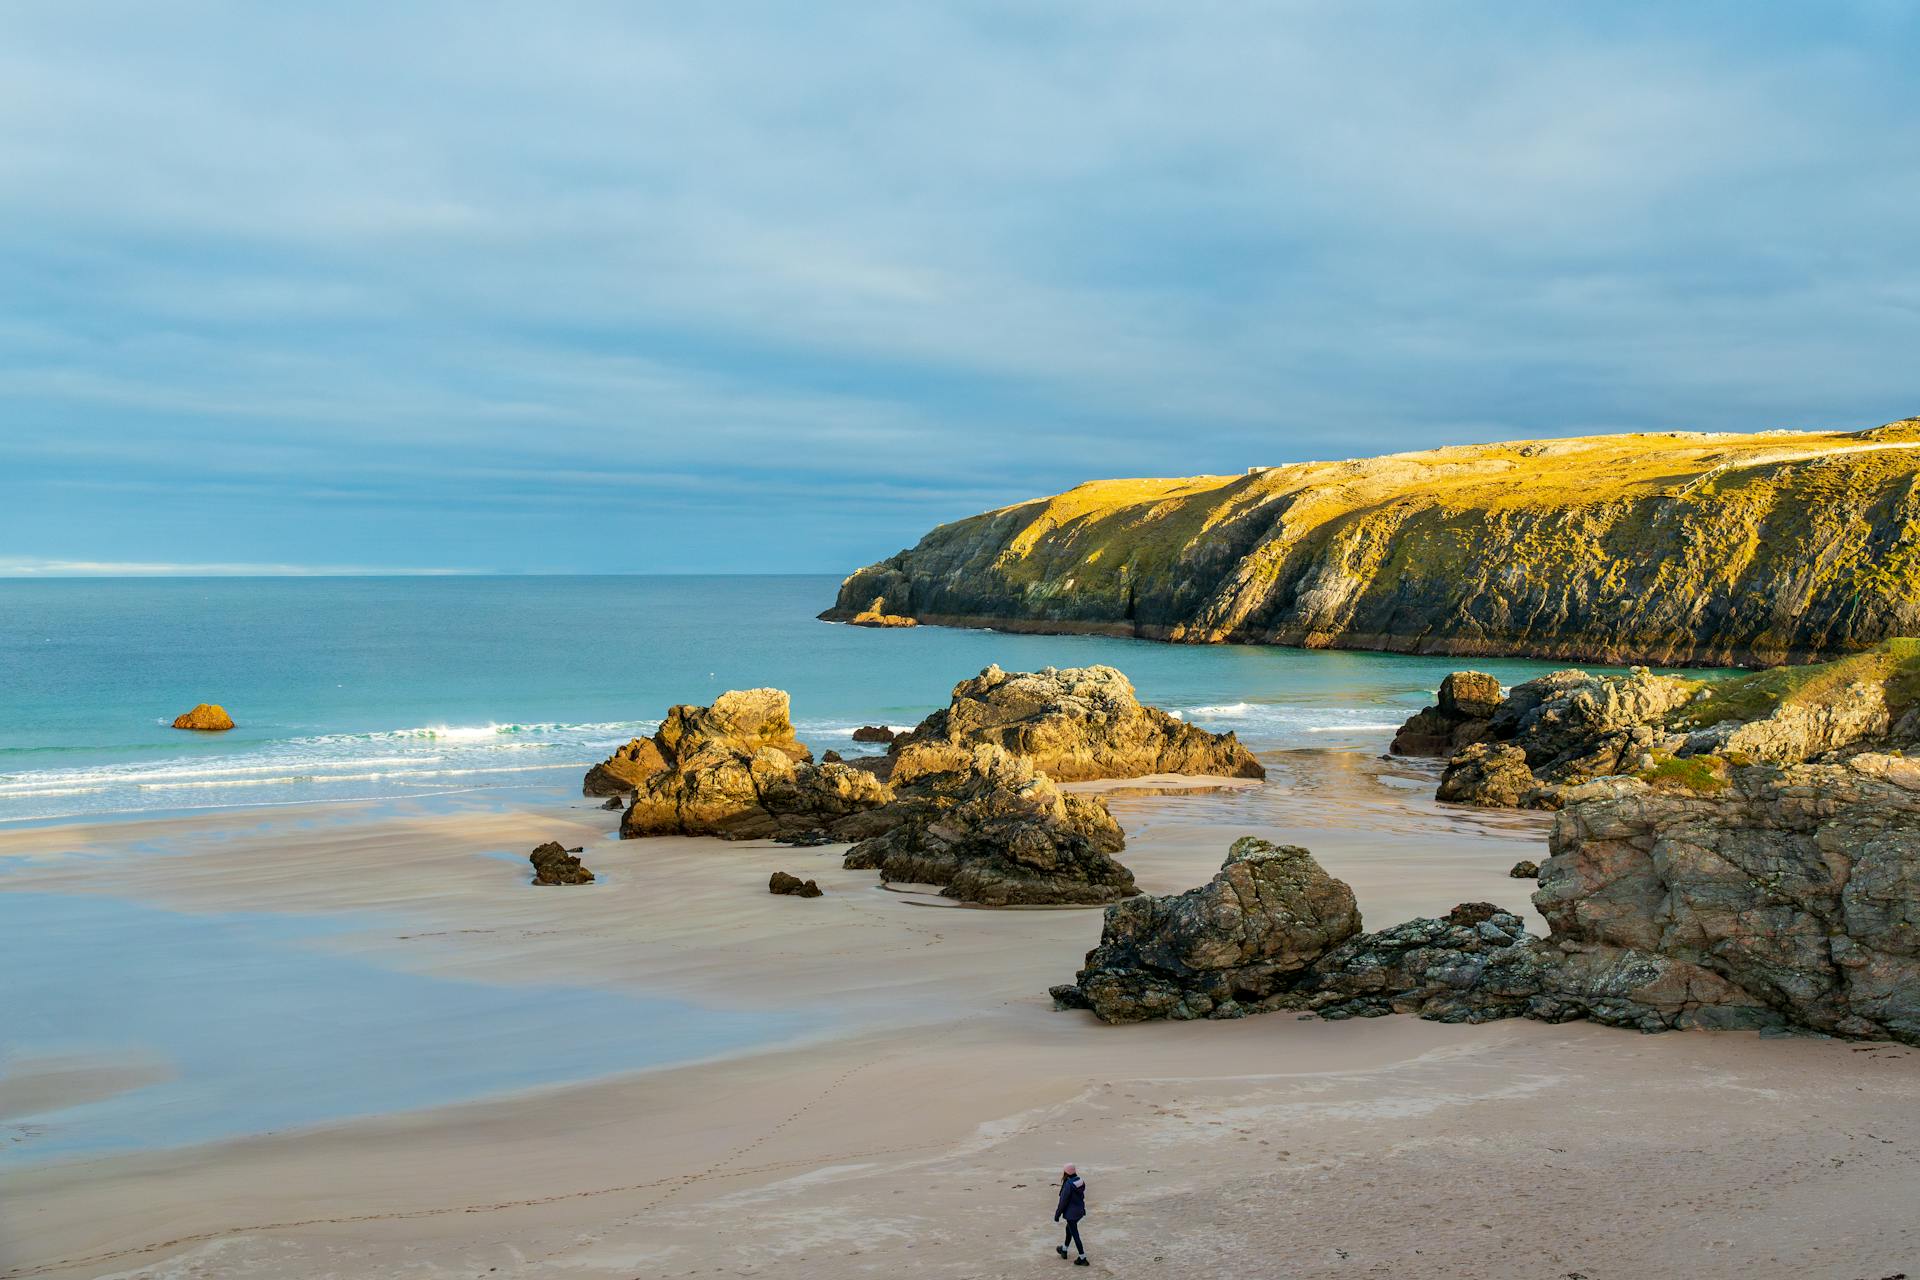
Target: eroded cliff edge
[[1676, 548]]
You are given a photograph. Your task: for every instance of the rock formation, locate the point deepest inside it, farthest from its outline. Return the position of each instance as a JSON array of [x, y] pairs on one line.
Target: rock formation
[[556, 864], [1569, 727], [875, 615], [873, 733], [1789, 898], [207, 717], [1476, 965], [734, 770], [1674, 548], [1223, 949], [988, 828], [1077, 724], [792, 886], [1793, 893], [1468, 700], [1525, 869]]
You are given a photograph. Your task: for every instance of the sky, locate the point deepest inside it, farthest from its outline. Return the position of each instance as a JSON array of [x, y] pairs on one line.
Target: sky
[[615, 288]]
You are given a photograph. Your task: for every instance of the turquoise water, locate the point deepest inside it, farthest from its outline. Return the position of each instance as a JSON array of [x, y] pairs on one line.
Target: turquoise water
[[352, 688]]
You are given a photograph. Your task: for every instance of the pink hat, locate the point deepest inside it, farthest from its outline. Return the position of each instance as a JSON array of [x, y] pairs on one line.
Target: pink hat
[[1067, 1168]]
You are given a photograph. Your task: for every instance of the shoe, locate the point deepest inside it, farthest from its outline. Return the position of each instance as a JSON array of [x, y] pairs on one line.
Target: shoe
[[1081, 1261], [1060, 1249]]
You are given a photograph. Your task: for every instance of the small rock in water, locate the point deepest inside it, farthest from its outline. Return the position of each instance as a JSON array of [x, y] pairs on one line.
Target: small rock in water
[[873, 733], [614, 802], [555, 864], [804, 839], [793, 886], [208, 717], [1525, 870]]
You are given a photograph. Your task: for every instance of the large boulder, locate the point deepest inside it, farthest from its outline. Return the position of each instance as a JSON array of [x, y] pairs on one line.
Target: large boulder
[[987, 827], [1229, 947], [1468, 700], [1080, 723], [1791, 893], [1488, 774], [735, 770], [207, 717]]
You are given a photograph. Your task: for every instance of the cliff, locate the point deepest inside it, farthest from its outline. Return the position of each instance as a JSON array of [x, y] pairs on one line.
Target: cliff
[[1676, 548]]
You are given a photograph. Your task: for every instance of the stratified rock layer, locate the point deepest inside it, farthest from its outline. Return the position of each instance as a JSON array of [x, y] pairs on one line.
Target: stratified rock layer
[[1675, 548], [1079, 723], [1793, 893], [987, 827], [207, 717]]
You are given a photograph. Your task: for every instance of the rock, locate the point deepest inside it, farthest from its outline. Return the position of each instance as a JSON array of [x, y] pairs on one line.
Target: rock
[[555, 864], [873, 733], [989, 828], [1572, 727], [1488, 775], [1079, 723], [1525, 870], [207, 717], [1476, 965], [875, 615], [625, 770], [1468, 700], [734, 770], [1791, 896], [805, 839], [832, 757], [614, 802], [1224, 949], [793, 886], [1609, 549]]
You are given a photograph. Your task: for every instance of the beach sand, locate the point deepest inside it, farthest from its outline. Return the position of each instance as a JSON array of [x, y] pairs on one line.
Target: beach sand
[[918, 1122]]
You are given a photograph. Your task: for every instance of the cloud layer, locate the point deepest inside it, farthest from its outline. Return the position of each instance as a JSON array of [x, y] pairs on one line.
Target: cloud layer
[[587, 287]]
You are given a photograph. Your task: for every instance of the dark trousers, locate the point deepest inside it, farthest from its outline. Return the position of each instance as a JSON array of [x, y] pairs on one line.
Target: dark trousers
[[1073, 1238]]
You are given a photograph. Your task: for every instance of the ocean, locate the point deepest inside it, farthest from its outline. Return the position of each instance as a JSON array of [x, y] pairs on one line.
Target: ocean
[[375, 688]]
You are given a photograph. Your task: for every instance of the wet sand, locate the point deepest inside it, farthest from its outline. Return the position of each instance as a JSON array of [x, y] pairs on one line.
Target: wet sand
[[917, 1119]]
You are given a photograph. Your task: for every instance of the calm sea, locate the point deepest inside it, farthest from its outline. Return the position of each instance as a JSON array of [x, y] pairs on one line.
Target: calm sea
[[354, 688]]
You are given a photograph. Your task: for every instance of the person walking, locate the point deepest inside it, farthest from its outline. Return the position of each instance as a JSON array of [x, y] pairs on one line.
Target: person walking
[[1072, 1207]]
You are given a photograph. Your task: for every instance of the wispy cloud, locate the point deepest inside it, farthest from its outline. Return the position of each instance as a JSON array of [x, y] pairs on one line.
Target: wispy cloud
[[583, 285]]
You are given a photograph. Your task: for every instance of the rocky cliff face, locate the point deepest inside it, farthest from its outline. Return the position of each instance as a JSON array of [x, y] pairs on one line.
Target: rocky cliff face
[[1673, 549]]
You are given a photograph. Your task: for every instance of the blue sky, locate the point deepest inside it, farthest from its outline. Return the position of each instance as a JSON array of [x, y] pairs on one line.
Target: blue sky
[[628, 288]]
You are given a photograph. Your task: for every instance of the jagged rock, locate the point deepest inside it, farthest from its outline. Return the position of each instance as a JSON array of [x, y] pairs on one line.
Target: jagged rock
[[875, 615], [1476, 965], [988, 828], [832, 757], [793, 886], [1468, 700], [873, 733], [1611, 549], [1525, 870], [1793, 894], [1572, 727], [553, 863], [734, 770], [625, 770], [1488, 775], [1079, 723], [1223, 949], [614, 802], [805, 839], [207, 717]]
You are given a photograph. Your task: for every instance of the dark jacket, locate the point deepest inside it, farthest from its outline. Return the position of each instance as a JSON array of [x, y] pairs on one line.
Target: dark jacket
[[1073, 1200]]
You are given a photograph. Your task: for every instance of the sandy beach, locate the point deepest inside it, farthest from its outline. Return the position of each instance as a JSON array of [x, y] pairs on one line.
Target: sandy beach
[[917, 1111]]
